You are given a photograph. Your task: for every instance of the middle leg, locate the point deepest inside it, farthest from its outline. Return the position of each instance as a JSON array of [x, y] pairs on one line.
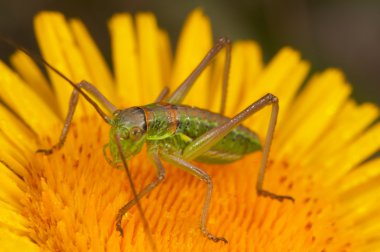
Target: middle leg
[[180, 93], [145, 191], [204, 177]]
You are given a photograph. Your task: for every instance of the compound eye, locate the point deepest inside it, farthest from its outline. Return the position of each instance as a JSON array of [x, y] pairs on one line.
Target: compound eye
[[136, 133]]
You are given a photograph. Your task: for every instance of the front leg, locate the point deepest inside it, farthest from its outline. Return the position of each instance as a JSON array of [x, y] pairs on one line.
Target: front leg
[[177, 161], [160, 177], [72, 106], [133, 189]]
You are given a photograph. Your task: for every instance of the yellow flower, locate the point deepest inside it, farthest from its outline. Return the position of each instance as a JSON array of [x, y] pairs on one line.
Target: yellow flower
[[68, 201]]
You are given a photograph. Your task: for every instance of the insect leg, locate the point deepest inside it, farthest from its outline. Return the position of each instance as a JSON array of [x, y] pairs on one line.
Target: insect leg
[[210, 138], [72, 106], [146, 190], [98, 95], [135, 196], [180, 93], [202, 175], [162, 95]]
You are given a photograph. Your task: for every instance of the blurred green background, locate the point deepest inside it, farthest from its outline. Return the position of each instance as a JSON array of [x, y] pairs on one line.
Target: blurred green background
[[343, 34]]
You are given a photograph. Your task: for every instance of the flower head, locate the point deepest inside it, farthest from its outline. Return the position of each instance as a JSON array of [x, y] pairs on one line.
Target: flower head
[[68, 201]]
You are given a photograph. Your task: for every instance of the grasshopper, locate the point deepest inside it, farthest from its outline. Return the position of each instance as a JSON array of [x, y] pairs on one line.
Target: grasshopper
[[177, 133]]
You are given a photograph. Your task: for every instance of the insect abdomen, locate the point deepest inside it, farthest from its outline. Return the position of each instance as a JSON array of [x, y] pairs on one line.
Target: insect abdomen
[[194, 122]]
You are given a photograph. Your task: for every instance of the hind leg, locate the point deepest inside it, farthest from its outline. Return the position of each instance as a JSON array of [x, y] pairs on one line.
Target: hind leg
[[211, 137]]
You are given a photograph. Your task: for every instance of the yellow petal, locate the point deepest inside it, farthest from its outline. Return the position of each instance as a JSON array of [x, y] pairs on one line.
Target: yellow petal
[[25, 102], [11, 219], [236, 78], [361, 175], [276, 76], [343, 130], [31, 74], [59, 49], [253, 64], [97, 68], [125, 59], [13, 159], [148, 39], [10, 191], [15, 131], [165, 56], [9, 241], [49, 45], [357, 151], [192, 46], [324, 105]]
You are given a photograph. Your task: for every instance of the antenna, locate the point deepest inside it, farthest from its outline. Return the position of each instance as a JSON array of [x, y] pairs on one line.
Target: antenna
[[42, 61]]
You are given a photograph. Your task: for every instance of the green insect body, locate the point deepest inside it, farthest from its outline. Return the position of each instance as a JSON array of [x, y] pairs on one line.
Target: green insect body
[[171, 128]]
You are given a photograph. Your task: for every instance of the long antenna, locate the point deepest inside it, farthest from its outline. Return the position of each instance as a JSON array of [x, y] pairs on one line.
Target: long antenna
[[43, 62]]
